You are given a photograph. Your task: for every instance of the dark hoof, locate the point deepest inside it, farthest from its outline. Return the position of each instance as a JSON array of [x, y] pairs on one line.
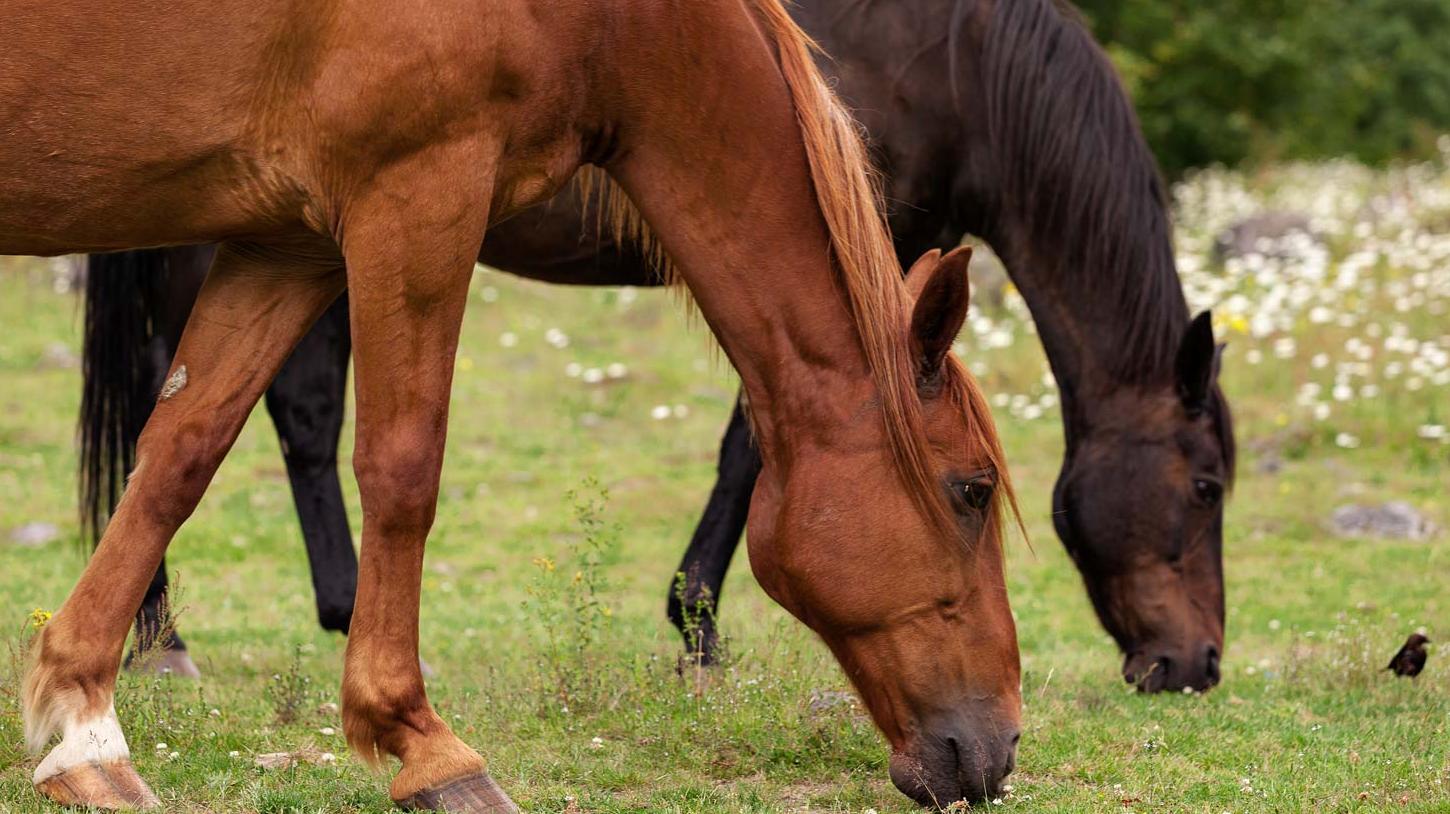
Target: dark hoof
[[472, 794], [112, 786], [167, 662]]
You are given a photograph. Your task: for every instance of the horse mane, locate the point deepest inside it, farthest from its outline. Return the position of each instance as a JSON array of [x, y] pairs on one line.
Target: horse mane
[[848, 194], [1074, 165]]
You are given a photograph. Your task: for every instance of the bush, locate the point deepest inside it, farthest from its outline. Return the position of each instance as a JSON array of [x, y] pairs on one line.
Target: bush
[[1235, 80]]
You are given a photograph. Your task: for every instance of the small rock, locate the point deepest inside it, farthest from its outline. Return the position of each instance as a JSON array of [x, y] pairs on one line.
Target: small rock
[[988, 277], [276, 760], [1271, 234], [286, 760], [59, 356], [1394, 520], [1270, 464], [830, 699], [34, 535]]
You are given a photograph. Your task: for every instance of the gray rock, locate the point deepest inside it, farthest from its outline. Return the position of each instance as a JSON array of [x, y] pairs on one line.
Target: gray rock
[[1271, 234], [34, 535], [831, 699], [988, 278], [1394, 520], [59, 356]]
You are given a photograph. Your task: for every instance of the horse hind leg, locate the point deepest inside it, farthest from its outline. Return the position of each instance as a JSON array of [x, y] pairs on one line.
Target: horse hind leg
[[248, 317]]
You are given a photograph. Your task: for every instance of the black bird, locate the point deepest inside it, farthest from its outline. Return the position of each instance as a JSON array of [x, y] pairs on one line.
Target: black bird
[[1411, 658]]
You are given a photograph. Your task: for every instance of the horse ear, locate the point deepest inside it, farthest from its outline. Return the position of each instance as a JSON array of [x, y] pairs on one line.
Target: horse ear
[[920, 272], [942, 293], [1198, 362]]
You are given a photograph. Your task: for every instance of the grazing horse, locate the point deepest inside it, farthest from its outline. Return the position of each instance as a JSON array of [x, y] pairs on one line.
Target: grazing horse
[[1001, 119], [370, 146]]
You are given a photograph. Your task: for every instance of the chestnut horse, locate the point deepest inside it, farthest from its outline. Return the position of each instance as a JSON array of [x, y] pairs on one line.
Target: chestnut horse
[[366, 146], [1042, 156]]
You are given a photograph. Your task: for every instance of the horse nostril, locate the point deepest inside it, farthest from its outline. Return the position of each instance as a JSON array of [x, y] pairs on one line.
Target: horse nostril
[[1211, 665]]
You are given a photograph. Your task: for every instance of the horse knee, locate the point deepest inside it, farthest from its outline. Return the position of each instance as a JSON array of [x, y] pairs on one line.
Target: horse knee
[[398, 481], [174, 467]]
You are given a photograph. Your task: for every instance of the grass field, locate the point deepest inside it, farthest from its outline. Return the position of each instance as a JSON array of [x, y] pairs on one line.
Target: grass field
[[1338, 372]]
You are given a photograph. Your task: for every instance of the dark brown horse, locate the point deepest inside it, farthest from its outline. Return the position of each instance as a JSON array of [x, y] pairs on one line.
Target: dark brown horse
[[369, 146], [1000, 119]]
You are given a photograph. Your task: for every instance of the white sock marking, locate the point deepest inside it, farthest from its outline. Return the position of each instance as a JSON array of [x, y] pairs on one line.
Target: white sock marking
[[97, 740]]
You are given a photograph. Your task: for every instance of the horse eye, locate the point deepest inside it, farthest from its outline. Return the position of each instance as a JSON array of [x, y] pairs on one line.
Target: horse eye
[[977, 492], [1209, 492]]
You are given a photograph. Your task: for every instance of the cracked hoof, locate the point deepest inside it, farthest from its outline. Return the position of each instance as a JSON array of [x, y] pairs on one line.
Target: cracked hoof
[[471, 794], [111, 786]]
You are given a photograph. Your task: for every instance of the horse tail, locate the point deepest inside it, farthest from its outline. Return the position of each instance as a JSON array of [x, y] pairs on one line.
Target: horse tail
[[122, 300]]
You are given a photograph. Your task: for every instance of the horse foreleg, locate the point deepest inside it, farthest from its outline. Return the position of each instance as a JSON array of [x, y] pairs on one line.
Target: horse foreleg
[[253, 308], [410, 258], [692, 605], [307, 403]]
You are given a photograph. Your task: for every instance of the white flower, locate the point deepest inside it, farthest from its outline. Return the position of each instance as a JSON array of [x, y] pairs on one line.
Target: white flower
[[557, 338], [508, 339], [573, 369], [1346, 440], [660, 412], [327, 730]]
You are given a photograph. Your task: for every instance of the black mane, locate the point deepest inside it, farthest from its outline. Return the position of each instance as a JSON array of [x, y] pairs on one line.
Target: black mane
[[1073, 165]]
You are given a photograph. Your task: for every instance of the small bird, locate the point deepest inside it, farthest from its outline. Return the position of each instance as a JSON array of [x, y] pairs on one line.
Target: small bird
[[1411, 658]]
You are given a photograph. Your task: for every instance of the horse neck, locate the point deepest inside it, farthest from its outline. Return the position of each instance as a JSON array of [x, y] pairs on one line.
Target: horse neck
[[714, 158], [1055, 174]]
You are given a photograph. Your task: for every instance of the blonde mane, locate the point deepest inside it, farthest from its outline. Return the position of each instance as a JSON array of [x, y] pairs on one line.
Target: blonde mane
[[848, 193]]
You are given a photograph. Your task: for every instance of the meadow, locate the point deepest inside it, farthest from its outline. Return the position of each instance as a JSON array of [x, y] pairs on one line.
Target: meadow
[[582, 443]]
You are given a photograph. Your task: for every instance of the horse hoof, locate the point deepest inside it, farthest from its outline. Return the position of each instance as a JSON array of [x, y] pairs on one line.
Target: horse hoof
[[111, 786], [471, 794], [168, 662]]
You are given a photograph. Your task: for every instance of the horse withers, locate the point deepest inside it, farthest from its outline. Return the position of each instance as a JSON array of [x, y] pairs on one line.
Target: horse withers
[[330, 145]]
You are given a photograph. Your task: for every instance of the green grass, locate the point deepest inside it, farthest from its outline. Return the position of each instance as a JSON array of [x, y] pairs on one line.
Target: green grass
[[1303, 721]]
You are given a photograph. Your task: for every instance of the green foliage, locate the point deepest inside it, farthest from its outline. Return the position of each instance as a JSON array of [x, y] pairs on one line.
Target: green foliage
[[289, 692], [565, 599], [1236, 80]]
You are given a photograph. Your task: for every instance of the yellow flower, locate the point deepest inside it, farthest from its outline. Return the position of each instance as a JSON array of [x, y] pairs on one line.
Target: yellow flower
[[544, 563], [578, 577], [39, 617]]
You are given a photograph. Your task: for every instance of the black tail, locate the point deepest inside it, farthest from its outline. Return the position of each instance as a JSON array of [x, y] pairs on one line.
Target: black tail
[[123, 298]]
